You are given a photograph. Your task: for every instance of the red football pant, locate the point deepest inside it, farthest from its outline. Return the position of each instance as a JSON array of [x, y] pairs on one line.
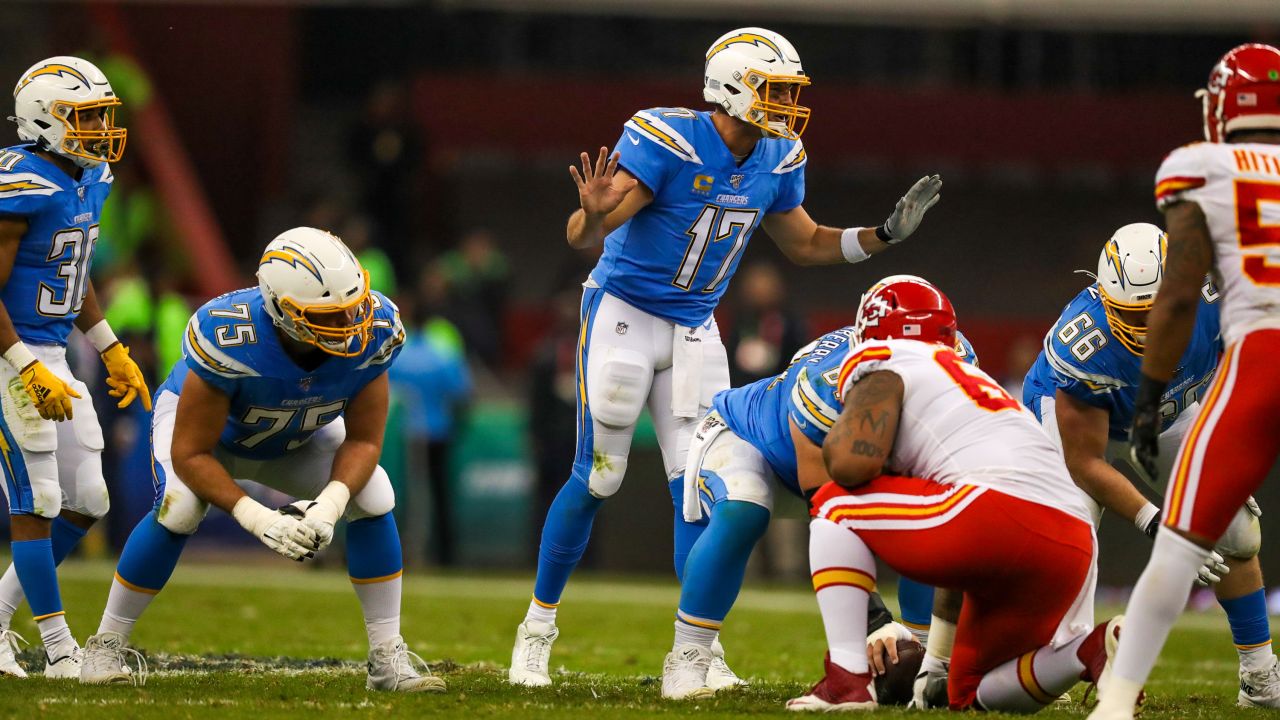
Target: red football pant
[[1020, 565], [1234, 442]]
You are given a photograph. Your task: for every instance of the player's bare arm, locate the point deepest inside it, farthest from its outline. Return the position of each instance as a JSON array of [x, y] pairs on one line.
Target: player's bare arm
[[366, 417], [859, 444], [11, 231], [609, 197], [202, 413], [811, 470], [1189, 259], [124, 377], [1083, 429]]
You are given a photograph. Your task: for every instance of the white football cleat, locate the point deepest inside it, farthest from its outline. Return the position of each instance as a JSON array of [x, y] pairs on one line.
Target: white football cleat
[[720, 676], [684, 673], [105, 661], [66, 667], [393, 667], [1260, 688], [532, 653], [9, 654]]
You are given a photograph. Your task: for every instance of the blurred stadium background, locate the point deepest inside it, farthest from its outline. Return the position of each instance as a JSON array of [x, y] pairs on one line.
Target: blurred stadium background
[[434, 135]]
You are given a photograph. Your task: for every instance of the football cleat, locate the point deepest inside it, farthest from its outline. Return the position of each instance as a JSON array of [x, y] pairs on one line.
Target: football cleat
[[9, 654], [395, 668], [532, 653], [66, 667], [684, 673], [1260, 688], [839, 690], [720, 676], [105, 661], [1098, 650]]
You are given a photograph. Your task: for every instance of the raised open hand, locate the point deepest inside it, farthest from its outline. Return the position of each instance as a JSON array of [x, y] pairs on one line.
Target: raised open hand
[[597, 192]]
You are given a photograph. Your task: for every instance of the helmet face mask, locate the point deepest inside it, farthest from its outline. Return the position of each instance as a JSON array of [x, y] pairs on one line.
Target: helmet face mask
[[309, 280], [54, 102], [1130, 270], [744, 71]]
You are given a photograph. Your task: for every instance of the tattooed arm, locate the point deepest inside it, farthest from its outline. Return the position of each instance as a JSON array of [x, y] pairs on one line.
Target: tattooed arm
[[858, 446], [1173, 317]]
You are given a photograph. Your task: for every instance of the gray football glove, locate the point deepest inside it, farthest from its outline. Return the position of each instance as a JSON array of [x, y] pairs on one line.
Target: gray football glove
[[910, 210]]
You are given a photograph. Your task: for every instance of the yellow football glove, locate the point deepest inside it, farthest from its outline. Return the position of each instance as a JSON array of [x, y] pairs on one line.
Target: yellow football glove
[[124, 377], [50, 395]]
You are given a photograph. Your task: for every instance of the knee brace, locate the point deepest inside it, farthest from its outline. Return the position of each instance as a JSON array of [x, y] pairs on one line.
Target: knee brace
[[377, 498], [616, 395], [46, 493], [92, 498], [181, 511], [1243, 537]]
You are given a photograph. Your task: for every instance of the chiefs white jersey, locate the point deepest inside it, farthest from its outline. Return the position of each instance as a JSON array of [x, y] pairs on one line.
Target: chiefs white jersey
[[959, 427], [1237, 186]]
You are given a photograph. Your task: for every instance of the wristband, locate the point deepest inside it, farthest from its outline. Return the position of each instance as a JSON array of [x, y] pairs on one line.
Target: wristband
[[1145, 517], [942, 639], [101, 336], [1150, 391], [335, 495], [851, 247], [19, 356]]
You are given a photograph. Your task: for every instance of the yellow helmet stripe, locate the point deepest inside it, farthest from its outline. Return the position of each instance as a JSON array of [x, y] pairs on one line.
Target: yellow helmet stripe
[[291, 257], [753, 38], [54, 69]]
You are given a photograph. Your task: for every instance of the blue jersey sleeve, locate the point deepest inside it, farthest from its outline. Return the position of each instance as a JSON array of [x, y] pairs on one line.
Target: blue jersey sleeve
[[791, 187], [1087, 379], [652, 149], [387, 338], [965, 349], [206, 356], [22, 192]]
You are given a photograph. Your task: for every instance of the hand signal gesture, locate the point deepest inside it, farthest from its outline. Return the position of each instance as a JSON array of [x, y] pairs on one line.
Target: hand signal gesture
[[597, 192]]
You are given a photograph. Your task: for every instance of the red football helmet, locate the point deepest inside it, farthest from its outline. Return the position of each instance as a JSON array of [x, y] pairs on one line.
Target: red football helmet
[[906, 307], [1243, 92]]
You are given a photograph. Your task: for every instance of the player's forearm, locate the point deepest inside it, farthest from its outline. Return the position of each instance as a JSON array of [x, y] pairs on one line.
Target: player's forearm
[[584, 231], [1107, 486], [208, 479], [90, 311], [8, 333], [1169, 328], [354, 463]]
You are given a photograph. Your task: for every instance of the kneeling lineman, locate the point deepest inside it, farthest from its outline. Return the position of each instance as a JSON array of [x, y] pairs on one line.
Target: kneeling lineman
[[985, 507], [271, 376]]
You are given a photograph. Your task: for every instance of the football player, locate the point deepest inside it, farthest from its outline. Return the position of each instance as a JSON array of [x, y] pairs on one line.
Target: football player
[[984, 506], [675, 205], [52, 188], [270, 377], [1083, 387], [772, 428], [1219, 201]]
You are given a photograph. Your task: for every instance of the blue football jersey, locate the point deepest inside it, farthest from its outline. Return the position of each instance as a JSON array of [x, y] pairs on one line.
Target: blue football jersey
[[1083, 359], [804, 393], [51, 270], [675, 257], [276, 405]]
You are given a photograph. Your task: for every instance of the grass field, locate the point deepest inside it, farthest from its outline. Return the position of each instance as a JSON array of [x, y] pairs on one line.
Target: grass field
[[280, 641]]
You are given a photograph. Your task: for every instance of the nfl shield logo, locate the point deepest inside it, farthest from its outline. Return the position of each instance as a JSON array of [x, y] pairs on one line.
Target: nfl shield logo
[[80, 192], [736, 180], [305, 384]]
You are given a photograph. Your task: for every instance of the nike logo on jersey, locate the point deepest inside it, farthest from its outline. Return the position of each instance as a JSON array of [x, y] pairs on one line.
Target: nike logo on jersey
[[634, 140]]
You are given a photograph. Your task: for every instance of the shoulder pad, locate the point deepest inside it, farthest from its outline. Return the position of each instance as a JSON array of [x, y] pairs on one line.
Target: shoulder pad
[[794, 159], [1182, 171], [15, 185], [652, 125], [388, 332], [200, 343], [861, 360], [1093, 374], [809, 404]]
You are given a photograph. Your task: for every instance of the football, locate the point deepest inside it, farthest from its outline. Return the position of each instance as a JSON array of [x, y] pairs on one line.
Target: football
[[894, 686]]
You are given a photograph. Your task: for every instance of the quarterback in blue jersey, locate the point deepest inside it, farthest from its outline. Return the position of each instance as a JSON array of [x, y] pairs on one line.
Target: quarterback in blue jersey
[[772, 428], [675, 205], [52, 189], [285, 385], [1083, 388]]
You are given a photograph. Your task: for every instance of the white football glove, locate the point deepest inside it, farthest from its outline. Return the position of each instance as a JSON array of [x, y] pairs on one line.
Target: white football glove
[[930, 688], [322, 513], [1212, 570], [910, 210], [281, 531]]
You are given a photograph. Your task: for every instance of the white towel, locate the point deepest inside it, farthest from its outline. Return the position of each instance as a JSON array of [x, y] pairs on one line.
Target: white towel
[[711, 426], [686, 370]]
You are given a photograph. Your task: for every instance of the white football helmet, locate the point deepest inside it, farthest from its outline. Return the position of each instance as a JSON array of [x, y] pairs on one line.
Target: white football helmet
[[741, 65], [48, 100], [1130, 270], [305, 273]]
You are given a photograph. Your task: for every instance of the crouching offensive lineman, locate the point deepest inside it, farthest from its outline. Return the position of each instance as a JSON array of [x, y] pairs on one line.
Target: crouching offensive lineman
[[284, 384], [997, 518]]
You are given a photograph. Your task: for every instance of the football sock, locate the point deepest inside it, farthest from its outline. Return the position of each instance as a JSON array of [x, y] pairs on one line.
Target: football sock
[[1157, 600], [1035, 679], [376, 567], [718, 562], [33, 560], [687, 634], [844, 572], [538, 612], [64, 536], [686, 533], [1250, 629], [149, 557], [564, 538], [915, 602]]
